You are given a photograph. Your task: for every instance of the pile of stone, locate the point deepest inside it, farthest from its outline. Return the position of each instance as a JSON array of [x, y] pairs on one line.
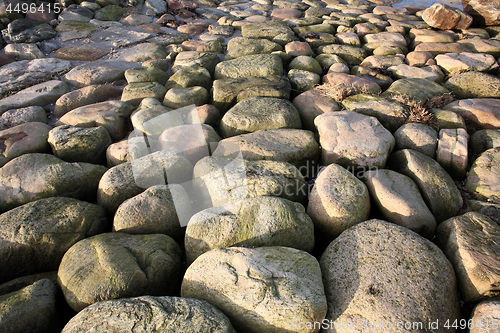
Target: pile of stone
[[249, 166]]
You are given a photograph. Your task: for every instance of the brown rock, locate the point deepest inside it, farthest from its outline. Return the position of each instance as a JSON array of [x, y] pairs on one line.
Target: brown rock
[[82, 53], [484, 12], [181, 4], [285, 13], [444, 17], [483, 113]]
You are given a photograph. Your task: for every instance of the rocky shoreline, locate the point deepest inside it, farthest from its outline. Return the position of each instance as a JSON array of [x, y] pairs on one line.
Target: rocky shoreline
[[249, 166]]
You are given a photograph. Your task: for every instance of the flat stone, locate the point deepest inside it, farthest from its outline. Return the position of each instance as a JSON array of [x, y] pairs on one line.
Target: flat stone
[[342, 85], [470, 242], [190, 77], [418, 90], [242, 46], [24, 51], [431, 36], [441, 48], [479, 45], [452, 151], [385, 37], [351, 54], [267, 30], [23, 139], [474, 85], [206, 60], [432, 73], [418, 137], [251, 65], [20, 116], [383, 61], [76, 14], [481, 112], [92, 73], [70, 30], [311, 104], [180, 97], [135, 92], [118, 36], [484, 175], [81, 53], [466, 61]]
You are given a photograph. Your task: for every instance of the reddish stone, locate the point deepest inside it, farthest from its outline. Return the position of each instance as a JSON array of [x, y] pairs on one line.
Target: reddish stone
[[484, 12], [151, 27], [445, 17], [190, 29], [181, 4], [285, 13]]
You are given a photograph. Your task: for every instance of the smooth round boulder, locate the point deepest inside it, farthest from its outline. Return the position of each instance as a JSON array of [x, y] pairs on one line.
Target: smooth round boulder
[[416, 136]]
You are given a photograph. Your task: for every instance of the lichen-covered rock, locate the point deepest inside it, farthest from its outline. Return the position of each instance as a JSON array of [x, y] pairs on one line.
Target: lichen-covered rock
[[466, 61], [117, 265], [135, 92], [207, 60], [379, 272], [93, 73], [259, 221], [484, 176], [153, 314], [251, 287], [419, 137], [474, 85], [179, 97], [35, 236], [250, 65], [243, 46], [436, 186], [267, 30], [418, 90], [20, 116], [353, 55], [483, 140], [149, 74], [190, 77], [470, 242], [35, 176]]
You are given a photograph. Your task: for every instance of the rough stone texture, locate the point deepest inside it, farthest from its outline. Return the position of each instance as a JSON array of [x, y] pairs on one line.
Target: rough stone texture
[[474, 85], [484, 12], [155, 211], [470, 242], [22, 139], [379, 272], [436, 185], [485, 312], [190, 77], [117, 265], [27, 31], [20, 116], [267, 30], [353, 55], [311, 104], [353, 140], [31, 309], [255, 222], [237, 280], [400, 202], [466, 61], [481, 112], [250, 65], [418, 90], [452, 151], [243, 46], [419, 137], [153, 314], [432, 73], [484, 176], [177, 98], [135, 92], [206, 60], [35, 236], [483, 140], [257, 113], [93, 73], [444, 17], [35, 176], [338, 201]]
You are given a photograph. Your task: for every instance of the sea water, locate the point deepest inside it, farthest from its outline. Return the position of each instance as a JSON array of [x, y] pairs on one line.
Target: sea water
[[428, 3]]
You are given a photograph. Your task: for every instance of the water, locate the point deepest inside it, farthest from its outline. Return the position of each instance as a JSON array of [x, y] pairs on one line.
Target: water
[[428, 3]]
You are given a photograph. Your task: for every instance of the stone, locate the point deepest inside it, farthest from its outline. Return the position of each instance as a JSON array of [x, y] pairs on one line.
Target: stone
[[22, 139], [474, 85], [352, 55], [295, 146], [403, 71], [452, 152], [23, 51], [482, 113], [435, 184], [112, 115], [251, 65], [70, 30], [483, 177], [444, 17], [151, 74], [295, 49], [76, 13], [38, 95], [20, 116], [190, 77], [180, 97], [431, 36], [342, 85], [318, 39], [484, 312], [466, 61], [372, 74], [436, 48], [84, 96], [226, 31], [337, 202], [324, 28], [82, 53], [117, 35], [24, 230], [92, 73], [76, 144], [226, 180], [135, 92], [311, 104], [483, 140], [383, 61], [129, 179], [478, 45], [381, 259], [31, 309], [302, 80], [353, 140], [27, 31], [447, 119], [384, 38], [35, 176], [117, 265], [267, 30], [483, 12], [158, 7], [231, 273], [348, 38], [154, 314], [470, 243], [109, 13], [390, 114], [243, 46], [257, 113], [228, 92], [306, 63], [418, 137], [419, 59], [206, 60], [417, 90], [259, 221], [146, 117], [159, 210], [285, 13]]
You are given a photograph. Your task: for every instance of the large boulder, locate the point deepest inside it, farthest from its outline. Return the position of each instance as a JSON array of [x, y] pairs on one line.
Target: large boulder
[[117, 265], [483, 179], [153, 314], [261, 290], [259, 221], [379, 273], [35, 236], [484, 12], [35, 176], [444, 17]]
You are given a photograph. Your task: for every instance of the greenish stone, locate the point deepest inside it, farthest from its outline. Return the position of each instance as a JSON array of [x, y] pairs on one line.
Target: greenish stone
[[206, 60], [179, 97], [301, 80], [483, 179], [307, 64], [109, 13], [251, 65], [448, 119], [190, 77], [151, 74], [474, 85], [350, 54], [242, 46], [324, 28], [326, 60], [418, 90], [485, 139], [267, 30], [134, 93], [149, 109]]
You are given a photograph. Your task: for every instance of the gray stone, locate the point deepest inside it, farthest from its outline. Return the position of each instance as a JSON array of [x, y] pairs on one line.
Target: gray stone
[[206, 60], [452, 152], [466, 61], [190, 77], [419, 137], [302, 80], [134, 93], [20, 116], [267, 30], [109, 13], [483, 140], [27, 31], [432, 73], [418, 90], [250, 65], [179, 97], [311, 104], [483, 179], [351, 54], [485, 312], [93, 73], [151, 74]]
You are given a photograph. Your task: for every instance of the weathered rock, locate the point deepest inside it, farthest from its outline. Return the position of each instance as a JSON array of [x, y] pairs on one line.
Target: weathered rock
[[448, 119], [190, 77], [93, 73], [26, 230], [146, 118], [353, 140], [343, 85], [76, 144], [436, 186], [432, 73], [485, 312], [70, 30], [244, 275], [470, 242], [367, 272], [419, 137], [474, 85], [27, 31], [31, 309], [302, 80], [206, 60], [371, 74], [227, 92], [117, 265], [351, 54], [311, 104], [24, 51], [483, 12], [435, 48], [154, 314], [151, 74], [483, 140], [431, 36], [444, 17], [257, 113], [384, 38], [295, 49], [82, 53], [127, 180], [35, 176], [257, 222], [250, 65], [109, 13], [338, 201], [243, 46], [452, 152], [112, 115], [383, 61], [20, 116], [418, 90], [390, 114], [484, 176], [179, 97], [22, 139], [306, 63], [267, 30], [466, 61], [134, 93], [479, 45], [419, 59], [481, 112], [399, 200]]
